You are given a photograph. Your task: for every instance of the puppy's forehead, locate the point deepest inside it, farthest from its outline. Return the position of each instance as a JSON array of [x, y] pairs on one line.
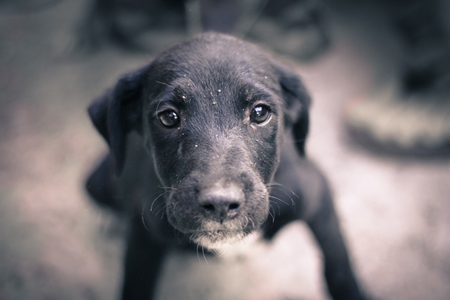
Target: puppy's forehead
[[214, 63]]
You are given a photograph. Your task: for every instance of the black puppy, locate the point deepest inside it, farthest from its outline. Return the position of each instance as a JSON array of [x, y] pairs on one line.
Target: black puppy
[[221, 131]]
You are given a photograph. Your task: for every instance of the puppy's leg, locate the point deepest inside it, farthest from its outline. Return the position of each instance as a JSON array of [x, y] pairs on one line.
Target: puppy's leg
[[143, 260], [305, 185], [338, 272]]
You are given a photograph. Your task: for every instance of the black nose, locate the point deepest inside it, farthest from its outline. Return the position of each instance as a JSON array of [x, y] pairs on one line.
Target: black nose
[[221, 203]]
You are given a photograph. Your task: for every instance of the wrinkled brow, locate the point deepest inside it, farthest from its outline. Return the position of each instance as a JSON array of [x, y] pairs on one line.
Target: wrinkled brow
[[180, 92], [167, 96], [174, 93]]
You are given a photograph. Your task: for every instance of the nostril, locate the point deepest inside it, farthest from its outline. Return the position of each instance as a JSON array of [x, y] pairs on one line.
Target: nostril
[[220, 209], [208, 207], [221, 203], [211, 207], [233, 206]]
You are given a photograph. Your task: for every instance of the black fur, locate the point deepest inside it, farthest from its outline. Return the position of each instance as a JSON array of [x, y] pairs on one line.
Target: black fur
[[237, 143]]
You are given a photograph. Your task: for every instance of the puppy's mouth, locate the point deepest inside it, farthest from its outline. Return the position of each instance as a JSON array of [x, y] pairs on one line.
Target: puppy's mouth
[[218, 239], [216, 236], [221, 214]]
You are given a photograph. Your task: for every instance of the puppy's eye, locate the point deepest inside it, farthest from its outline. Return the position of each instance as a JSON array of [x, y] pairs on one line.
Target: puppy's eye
[[260, 114], [169, 118]]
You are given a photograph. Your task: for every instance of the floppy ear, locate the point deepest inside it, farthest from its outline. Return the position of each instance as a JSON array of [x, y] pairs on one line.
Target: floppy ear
[[117, 112], [296, 106]]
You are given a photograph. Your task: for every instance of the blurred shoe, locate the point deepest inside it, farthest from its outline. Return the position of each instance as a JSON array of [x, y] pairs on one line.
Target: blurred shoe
[[391, 120], [294, 28]]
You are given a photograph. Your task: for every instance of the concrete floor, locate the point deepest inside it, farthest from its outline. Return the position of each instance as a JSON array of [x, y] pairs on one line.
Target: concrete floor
[[54, 244]]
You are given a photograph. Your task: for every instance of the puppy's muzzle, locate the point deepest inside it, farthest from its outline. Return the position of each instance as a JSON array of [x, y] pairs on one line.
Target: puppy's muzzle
[[221, 202]]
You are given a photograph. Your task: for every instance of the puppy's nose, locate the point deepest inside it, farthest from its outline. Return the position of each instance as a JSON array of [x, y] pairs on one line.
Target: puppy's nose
[[221, 203]]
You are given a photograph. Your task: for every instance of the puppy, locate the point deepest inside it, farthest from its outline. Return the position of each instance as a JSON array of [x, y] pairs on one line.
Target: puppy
[[203, 141]]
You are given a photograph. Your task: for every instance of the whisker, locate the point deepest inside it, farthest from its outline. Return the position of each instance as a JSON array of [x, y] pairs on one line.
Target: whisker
[[270, 213], [204, 256], [280, 186], [162, 211], [198, 255], [151, 207], [279, 208], [163, 83], [219, 252], [281, 200], [143, 217], [168, 188], [158, 206], [245, 222]]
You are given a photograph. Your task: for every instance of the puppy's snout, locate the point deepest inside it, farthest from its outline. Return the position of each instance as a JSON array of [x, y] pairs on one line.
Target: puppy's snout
[[221, 203]]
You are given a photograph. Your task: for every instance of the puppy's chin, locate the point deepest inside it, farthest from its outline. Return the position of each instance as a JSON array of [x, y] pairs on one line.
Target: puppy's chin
[[218, 240], [216, 237]]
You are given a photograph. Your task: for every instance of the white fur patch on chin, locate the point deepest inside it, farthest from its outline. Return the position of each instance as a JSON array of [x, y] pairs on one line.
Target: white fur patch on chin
[[222, 243]]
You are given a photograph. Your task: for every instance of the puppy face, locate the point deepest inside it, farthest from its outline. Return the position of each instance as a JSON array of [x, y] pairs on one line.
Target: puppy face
[[212, 112], [213, 129]]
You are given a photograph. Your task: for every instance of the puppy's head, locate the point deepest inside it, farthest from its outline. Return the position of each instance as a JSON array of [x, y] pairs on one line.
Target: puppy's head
[[212, 112]]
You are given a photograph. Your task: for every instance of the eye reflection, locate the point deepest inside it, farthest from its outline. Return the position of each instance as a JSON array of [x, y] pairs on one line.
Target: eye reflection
[[259, 114], [169, 118]]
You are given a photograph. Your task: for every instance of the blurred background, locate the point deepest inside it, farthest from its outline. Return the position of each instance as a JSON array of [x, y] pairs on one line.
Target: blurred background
[[379, 76]]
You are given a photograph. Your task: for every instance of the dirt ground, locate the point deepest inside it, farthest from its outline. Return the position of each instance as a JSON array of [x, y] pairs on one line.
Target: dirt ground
[[55, 244]]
